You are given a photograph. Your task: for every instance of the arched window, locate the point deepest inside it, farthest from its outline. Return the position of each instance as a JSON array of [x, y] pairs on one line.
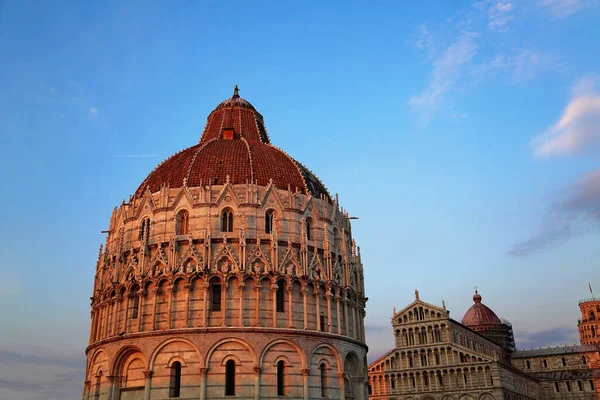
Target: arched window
[[323, 368], [136, 306], [593, 331], [592, 316], [144, 229], [227, 220], [98, 382], [182, 222], [426, 379], [230, 378], [323, 322], [175, 383], [308, 229], [280, 378], [564, 362], [269, 217], [279, 296], [216, 297]]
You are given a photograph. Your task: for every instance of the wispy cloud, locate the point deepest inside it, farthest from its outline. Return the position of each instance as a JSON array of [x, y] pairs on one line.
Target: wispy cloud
[[469, 49], [564, 8], [549, 337], [578, 128], [424, 39], [577, 211], [500, 14], [448, 68], [93, 111], [36, 373]]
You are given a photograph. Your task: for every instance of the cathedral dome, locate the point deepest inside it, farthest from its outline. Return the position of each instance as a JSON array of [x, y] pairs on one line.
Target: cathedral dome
[[234, 147], [479, 314]]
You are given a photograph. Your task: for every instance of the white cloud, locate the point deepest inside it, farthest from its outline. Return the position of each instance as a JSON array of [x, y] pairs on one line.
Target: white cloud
[[499, 15], [447, 70], [93, 111], [424, 40], [575, 213], [564, 8], [578, 128]]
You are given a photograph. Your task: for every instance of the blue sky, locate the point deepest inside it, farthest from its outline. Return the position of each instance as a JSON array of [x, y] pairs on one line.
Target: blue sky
[[464, 135]]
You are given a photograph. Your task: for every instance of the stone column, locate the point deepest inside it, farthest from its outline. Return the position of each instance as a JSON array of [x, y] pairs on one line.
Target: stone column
[[156, 292], [329, 296], [224, 304], [206, 286], [318, 308], [342, 385], [274, 304], [203, 373], [87, 388], [305, 375], [345, 302], [290, 309], [304, 293], [171, 290], [114, 305], [147, 384], [109, 391], [126, 313], [241, 316], [142, 295], [92, 326], [257, 372], [339, 322], [257, 289], [188, 289]]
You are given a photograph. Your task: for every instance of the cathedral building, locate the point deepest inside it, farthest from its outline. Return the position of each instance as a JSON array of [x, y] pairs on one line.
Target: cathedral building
[[231, 272], [438, 358]]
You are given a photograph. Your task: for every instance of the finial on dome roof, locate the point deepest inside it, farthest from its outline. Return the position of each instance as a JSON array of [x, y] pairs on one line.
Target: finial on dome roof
[[476, 296], [236, 91]]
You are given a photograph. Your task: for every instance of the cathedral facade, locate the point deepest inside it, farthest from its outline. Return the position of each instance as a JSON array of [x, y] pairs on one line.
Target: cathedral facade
[[438, 358], [231, 272]]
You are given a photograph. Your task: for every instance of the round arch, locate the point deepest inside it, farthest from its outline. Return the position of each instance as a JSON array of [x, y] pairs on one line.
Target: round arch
[[212, 349], [301, 354], [164, 343]]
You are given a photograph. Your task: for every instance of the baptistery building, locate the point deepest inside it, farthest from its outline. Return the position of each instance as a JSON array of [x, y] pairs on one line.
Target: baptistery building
[[231, 272]]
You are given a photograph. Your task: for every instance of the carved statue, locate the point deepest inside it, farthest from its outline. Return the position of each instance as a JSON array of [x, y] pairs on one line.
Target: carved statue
[[416, 294]]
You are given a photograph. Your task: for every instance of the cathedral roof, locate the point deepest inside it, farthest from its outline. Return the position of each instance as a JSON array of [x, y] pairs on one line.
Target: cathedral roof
[[234, 147], [479, 314]]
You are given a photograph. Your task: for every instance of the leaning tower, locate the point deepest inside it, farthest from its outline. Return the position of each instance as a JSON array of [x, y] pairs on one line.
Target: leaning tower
[[589, 324], [230, 272]]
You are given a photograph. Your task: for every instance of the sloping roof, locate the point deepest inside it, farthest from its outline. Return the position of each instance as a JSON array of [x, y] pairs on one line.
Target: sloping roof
[[552, 351]]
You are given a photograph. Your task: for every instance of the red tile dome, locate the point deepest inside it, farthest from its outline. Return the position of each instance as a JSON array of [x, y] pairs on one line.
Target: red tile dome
[[480, 315], [234, 145]]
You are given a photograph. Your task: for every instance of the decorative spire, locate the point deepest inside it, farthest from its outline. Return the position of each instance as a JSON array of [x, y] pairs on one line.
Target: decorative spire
[[236, 91]]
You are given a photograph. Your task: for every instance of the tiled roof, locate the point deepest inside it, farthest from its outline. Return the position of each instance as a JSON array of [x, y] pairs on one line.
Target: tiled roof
[[247, 156], [480, 315], [551, 351]]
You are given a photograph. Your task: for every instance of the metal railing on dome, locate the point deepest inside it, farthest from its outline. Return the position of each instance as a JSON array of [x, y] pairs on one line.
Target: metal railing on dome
[[586, 300]]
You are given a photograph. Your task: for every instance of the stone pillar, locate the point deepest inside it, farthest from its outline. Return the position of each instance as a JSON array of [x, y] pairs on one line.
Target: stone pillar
[[109, 391], [305, 375], [224, 304], [257, 289], [304, 293], [257, 372], [290, 310], [203, 373], [329, 296], [147, 384], [92, 325], [142, 295], [206, 286], [156, 292], [339, 322], [87, 388], [241, 316], [345, 302], [126, 313], [274, 304], [342, 385], [188, 289], [171, 290], [318, 310]]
